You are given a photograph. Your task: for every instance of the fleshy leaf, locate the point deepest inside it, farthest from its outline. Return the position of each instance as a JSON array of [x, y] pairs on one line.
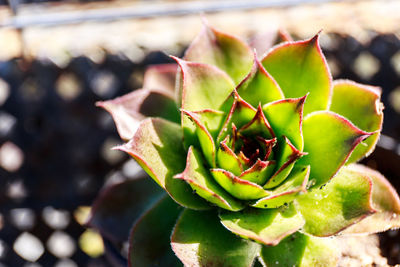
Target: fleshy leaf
[[267, 226], [205, 139], [119, 205], [240, 189], [329, 140], [157, 147], [285, 117], [149, 242], [361, 105], [304, 251], [258, 126], [161, 77], [129, 110], [343, 201], [203, 87], [301, 68], [201, 181], [227, 159], [288, 154], [285, 193], [212, 119], [240, 114], [259, 172], [199, 240], [259, 86], [384, 199], [222, 50]]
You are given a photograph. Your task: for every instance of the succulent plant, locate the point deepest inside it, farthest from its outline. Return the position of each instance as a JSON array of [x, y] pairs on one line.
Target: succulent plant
[[257, 156]]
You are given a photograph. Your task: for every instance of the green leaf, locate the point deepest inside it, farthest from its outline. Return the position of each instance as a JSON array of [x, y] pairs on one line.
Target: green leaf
[[161, 77], [227, 159], [199, 240], [149, 241], [285, 117], [301, 251], [267, 226], [119, 205], [205, 139], [203, 87], [384, 199], [295, 183], [258, 126], [259, 87], [239, 115], [212, 120], [237, 187], [157, 147], [329, 140], [201, 181], [129, 110], [343, 201], [361, 105], [286, 158], [259, 172], [301, 68], [222, 50]]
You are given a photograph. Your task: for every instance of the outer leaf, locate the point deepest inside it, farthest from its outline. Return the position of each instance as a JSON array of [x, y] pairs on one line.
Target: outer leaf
[[149, 242], [361, 105], [259, 87], [225, 51], [237, 187], [267, 226], [129, 110], [119, 205], [329, 140], [384, 199], [199, 240], [304, 251], [344, 201], [157, 147], [161, 77], [300, 68], [286, 117], [201, 181], [295, 183], [203, 87]]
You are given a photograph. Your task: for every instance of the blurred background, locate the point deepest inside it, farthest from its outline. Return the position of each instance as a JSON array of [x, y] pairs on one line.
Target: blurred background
[[58, 57]]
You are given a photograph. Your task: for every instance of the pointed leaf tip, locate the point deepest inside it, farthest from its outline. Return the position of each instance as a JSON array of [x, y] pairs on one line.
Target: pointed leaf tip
[[286, 118], [222, 50], [130, 109], [366, 113], [259, 86], [324, 132], [300, 67]]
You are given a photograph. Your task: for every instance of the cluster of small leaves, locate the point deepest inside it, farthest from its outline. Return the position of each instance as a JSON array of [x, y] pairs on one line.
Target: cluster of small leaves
[[257, 155]]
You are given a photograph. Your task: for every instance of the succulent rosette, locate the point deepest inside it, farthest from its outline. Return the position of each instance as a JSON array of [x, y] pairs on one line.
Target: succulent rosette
[[256, 154]]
